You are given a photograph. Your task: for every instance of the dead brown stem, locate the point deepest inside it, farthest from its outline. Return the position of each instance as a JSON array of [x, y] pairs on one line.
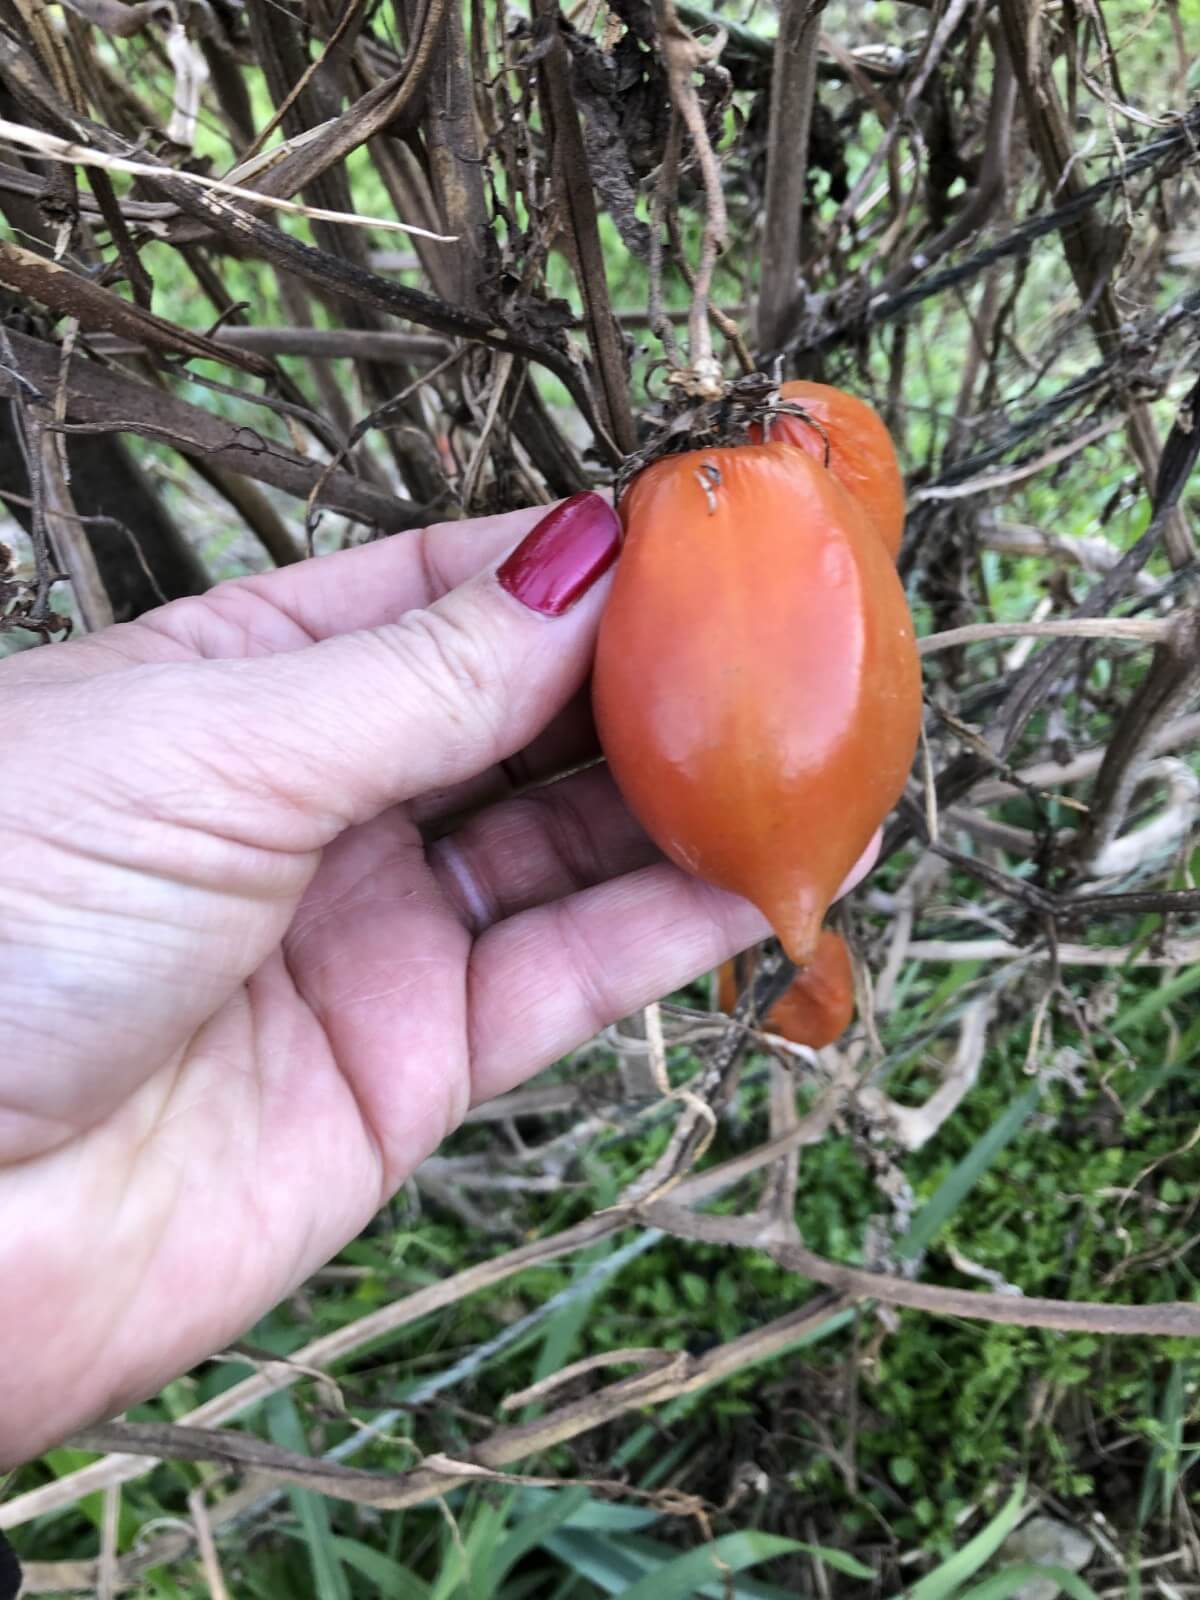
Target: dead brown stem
[[1173, 679], [683, 53], [1172, 1319], [1088, 247], [570, 157], [793, 85], [107, 401]]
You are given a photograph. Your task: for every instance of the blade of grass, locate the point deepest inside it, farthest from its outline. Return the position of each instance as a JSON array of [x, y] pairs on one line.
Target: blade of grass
[[531, 1583], [948, 1578], [1161, 1477], [840, 1561], [469, 1543], [599, 1516], [1157, 1000], [310, 1510], [534, 1529], [1013, 1579], [666, 1462], [954, 1188], [386, 1576], [687, 1574], [615, 1564], [568, 1311]]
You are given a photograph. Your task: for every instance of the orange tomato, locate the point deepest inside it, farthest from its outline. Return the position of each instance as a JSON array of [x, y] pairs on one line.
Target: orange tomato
[[818, 1005], [850, 438], [756, 686]]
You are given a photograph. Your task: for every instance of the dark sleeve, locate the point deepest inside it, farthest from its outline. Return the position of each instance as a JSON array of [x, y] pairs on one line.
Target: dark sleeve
[[10, 1571]]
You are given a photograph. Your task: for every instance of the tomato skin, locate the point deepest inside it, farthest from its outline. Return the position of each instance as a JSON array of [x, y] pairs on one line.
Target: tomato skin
[[756, 686], [818, 1005], [861, 455]]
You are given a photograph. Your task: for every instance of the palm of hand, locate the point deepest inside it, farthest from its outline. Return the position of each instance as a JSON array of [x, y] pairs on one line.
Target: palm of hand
[[294, 997]]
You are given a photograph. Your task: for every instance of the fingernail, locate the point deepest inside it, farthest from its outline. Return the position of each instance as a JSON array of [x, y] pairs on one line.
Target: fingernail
[[559, 560]]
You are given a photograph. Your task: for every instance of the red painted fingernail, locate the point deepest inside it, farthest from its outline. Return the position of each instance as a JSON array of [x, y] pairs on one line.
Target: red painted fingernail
[[560, 560]]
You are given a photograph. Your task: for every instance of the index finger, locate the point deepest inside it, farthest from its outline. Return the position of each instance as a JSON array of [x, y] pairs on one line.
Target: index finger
[[377, 582]]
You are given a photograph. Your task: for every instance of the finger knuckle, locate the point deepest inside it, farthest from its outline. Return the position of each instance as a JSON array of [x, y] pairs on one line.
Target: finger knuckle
[[451, 667]]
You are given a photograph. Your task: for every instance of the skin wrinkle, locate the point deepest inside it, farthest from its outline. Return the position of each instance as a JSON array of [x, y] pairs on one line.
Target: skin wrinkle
[[262, 1087], [86, 845], [434, 585], [235, 614], [175, 1170], [361, 892], [241, 757], [388, 1179], [455, 676], [267, 1086], [216, 1061], [125, 1210], [257, 781], [56, 1135], [183, 1098], [126, 933], [564, 836], [70, 983], [92, 853], [98, 655], [67, 894], [156, 933], [350, 996], [433, 580]]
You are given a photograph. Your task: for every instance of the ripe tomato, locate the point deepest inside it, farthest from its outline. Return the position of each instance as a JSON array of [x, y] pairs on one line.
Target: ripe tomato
[[818, 1005], [848, 436], [756, 687]]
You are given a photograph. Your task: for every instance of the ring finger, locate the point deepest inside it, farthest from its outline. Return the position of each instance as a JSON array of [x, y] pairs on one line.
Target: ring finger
[[542, 845]]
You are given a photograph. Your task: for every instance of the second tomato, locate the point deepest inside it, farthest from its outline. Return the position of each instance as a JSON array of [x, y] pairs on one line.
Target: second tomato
[[850, 437]]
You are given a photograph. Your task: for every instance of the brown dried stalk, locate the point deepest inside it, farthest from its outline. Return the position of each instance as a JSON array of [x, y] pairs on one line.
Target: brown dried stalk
[[676, 1374], [52, 148], [100, 310], [683, 53], [1171, 1319], [107, 401], [1172, 681], [1089, 253], [570, 157], [1138, 630], [343, 1342], [793, 85]]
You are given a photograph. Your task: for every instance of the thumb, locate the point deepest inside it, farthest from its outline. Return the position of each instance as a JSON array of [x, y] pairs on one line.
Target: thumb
[[365, 720]]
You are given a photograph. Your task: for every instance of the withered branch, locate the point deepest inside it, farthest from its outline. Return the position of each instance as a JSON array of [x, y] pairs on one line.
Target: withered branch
[[570, 154], [103, 400], [1089, 247], [793, 85]]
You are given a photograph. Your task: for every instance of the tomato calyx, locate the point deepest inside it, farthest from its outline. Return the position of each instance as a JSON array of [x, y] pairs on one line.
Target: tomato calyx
[[748, 403]]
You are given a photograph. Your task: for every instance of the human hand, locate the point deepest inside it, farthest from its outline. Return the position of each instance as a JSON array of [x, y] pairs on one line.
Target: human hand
[[251, 972]]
